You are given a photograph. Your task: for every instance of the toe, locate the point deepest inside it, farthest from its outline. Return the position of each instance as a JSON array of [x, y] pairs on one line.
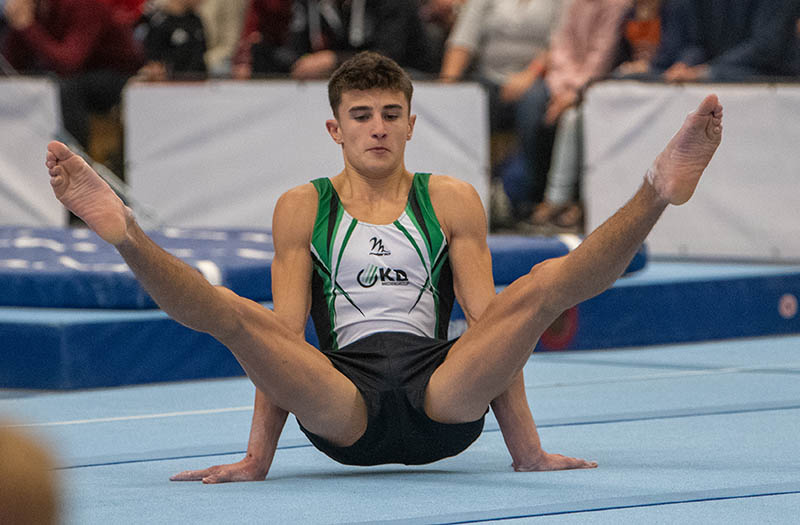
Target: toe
[[709, 105], [59, 150]]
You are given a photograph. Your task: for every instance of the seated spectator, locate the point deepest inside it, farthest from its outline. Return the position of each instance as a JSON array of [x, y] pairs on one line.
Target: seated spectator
[[561, 208], [174, 41], [222, 21], [438, 18], [675, 28], [641, 37], [325, 33], [584, 48], [503, 45], [81, 41], [262, 45], [733, 40]]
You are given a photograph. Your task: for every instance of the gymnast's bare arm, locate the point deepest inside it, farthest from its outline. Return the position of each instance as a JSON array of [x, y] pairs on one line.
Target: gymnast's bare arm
[[291, 295], [459, 209]]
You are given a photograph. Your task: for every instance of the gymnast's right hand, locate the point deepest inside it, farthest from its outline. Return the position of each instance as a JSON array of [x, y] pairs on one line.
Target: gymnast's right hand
[[247, 469]]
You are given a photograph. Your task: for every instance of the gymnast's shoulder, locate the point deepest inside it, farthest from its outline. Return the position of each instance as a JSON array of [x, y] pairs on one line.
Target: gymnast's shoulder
[[295, 210], [455, 201]]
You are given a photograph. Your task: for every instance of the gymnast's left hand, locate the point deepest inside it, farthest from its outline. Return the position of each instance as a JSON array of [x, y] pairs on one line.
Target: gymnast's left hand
[[245, 470], [545, 461]]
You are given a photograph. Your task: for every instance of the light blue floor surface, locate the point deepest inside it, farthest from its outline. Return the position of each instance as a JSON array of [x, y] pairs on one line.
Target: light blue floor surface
[[700, 433]]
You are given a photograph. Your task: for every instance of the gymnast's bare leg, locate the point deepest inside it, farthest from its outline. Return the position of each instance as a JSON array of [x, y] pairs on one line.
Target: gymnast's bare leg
[[295, 375], [487, 357]]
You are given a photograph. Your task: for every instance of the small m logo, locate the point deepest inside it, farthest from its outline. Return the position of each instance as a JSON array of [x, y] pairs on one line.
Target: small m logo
[[378, 248]]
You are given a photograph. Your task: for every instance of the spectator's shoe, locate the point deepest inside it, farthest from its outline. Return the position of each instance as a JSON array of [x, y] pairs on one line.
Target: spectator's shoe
[[546, 213]]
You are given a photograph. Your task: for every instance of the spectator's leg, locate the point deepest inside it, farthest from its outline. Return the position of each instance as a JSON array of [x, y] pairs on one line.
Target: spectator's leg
[[561, 194], [503, 149], [534, 137], [566, 165]]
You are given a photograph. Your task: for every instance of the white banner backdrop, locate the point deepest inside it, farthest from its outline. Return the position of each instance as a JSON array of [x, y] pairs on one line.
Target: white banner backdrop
[[220, 153], [29, 119], [746, 205]]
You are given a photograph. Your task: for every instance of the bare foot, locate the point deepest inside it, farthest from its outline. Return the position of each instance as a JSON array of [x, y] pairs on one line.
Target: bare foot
[[554, 462], [676, 171], [81, 190]]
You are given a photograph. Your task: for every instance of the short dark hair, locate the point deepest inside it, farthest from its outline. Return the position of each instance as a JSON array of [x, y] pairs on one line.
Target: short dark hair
[[368, 70]]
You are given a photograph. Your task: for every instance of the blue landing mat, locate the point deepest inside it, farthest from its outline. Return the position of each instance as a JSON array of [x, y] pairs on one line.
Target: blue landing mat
[[665, 303], [702, 433], [683, 302], [73, 268]]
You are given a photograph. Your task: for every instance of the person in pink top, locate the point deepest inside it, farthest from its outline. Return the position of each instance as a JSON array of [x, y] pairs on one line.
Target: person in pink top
[[584, 48]]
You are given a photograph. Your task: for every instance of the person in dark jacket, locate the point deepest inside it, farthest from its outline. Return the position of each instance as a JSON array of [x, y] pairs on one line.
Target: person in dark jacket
[[325, 33], [262, 45], [174, 41], [724, 40]]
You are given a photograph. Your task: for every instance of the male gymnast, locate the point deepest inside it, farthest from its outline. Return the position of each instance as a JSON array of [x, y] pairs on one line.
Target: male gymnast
[[377, 255]]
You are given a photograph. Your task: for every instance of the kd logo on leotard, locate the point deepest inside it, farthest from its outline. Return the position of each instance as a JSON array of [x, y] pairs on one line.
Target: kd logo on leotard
[[388, 276], [371, 277]]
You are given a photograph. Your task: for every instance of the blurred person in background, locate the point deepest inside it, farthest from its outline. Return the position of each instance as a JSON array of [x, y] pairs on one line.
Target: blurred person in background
[[222, 21], [660, 22], [503, 45], [585, 47], [325, 33], [174, 41], [81, 41], [732, 40], [641, 34], [443, 13], [262, 44], [438, 18]]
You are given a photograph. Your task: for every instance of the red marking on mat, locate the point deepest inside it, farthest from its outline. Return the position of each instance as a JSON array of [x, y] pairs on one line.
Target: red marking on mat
[[561, 333], [787, 306]]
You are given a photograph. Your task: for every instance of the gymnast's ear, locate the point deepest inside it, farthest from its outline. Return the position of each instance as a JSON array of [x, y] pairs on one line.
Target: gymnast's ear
[[412, 119], [334, 130]]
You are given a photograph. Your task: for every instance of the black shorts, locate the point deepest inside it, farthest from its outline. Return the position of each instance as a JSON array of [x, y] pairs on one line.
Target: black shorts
[[392, 370]]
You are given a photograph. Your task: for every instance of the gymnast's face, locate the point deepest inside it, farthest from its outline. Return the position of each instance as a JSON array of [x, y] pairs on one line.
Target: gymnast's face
[[373, 127]]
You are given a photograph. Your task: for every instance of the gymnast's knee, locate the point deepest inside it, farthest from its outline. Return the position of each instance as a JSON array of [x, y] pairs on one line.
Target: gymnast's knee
[[546, 289], [243, 317]]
